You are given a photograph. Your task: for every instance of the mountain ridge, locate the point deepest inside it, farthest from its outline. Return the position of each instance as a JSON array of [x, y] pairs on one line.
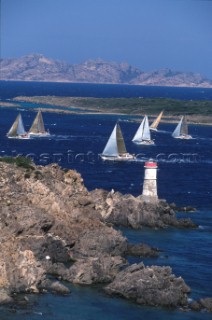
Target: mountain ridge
[[37, 67]]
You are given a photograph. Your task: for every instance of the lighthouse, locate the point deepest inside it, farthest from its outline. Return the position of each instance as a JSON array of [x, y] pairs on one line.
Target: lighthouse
[[150, 182]]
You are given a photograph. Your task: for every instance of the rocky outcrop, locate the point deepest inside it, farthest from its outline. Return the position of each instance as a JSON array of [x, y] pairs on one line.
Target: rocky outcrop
[[36, 67], [51, 225], [141, 250], [53, 287], [48, 224], [153, 286], [202, 305], [130, 211]]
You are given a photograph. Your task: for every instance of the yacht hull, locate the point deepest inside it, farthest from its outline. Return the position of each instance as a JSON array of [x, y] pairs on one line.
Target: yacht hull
[[144, 142], [118, 158]]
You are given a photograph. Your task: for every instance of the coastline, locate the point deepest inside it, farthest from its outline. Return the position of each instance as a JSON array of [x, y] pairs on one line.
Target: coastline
[[198, 112], [79, 241]]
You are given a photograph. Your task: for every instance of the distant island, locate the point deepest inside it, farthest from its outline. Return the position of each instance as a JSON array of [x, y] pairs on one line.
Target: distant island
[[37, 67]]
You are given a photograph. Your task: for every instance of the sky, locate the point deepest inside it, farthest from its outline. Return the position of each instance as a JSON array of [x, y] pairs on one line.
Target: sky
[[148, 34]]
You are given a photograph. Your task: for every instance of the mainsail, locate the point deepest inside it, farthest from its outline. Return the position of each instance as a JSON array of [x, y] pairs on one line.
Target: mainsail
[[38, 124], [143, 132], [156, 122], [120, 140], [184, 126], [181, 129], [115, 144], [17, 128]]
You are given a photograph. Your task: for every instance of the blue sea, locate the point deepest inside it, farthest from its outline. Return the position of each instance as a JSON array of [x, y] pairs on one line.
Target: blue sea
[[184, 177]]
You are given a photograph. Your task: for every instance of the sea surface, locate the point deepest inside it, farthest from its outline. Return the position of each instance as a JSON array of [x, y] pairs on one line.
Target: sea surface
[[184, 177]]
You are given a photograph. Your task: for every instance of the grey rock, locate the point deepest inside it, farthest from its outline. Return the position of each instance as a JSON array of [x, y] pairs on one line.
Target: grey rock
[[54, 226], [54, 287], [130, 211], [206, 303], [4, 297], [95, 269], [153, 286], [141, 250]]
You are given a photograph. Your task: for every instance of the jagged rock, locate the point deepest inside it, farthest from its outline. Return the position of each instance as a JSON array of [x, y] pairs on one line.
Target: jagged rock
[[47, 224], [54, 287], [19, 268], [4, 297], [141, 250], [153, 286], [185, 223], [195, 306], [206, 303], [91, 244], [182, 209], [51, 224], [95, 269], [130, 211]]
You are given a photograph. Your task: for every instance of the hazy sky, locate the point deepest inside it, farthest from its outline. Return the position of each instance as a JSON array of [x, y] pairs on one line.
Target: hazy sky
[[149, 34]]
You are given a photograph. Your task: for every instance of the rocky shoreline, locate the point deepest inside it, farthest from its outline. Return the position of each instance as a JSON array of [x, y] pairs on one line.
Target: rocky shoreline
[[51, 225]]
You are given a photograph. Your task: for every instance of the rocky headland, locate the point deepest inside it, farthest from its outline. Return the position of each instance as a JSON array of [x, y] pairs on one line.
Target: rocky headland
[[52, 225]]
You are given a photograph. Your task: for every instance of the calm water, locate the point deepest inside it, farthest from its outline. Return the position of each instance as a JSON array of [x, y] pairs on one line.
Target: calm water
[[184, 177], [11, 89]]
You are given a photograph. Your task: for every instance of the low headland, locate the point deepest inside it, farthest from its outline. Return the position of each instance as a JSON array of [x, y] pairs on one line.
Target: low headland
[[54, 229], [198, 112]]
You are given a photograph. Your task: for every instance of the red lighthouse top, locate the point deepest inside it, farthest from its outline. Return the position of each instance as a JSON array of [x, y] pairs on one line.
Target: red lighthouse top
[[150, 164]]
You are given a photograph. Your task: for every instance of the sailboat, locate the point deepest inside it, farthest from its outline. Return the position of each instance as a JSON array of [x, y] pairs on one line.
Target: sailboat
[[17, 130], [37, 129], [115, 148], [181, 131], [155, 123], [142, 135]]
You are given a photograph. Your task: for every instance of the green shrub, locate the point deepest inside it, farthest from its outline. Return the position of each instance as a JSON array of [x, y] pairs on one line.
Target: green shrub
[[19, 161]]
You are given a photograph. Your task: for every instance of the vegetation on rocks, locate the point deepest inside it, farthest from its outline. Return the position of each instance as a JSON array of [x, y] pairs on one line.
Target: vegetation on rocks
[[19, 161]]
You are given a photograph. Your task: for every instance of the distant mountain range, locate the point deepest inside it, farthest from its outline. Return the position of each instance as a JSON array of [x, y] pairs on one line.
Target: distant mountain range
[[36, 67]]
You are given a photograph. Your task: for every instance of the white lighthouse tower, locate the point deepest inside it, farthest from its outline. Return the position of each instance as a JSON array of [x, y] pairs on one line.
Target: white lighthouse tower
[[150, 182]]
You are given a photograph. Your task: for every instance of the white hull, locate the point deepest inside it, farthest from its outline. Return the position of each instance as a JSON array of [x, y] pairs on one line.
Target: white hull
[[144, 142], [153, 129], [125, 157], [20, 137], [39, 135], [184, 137]]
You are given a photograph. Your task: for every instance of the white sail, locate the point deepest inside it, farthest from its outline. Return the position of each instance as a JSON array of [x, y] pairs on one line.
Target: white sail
[[17, 129], [115, 148], [176, 132], [181, 131], [143, 132], [111, 148]]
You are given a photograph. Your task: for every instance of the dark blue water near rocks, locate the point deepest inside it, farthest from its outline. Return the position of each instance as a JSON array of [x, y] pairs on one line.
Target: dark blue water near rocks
[[184, 177]]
